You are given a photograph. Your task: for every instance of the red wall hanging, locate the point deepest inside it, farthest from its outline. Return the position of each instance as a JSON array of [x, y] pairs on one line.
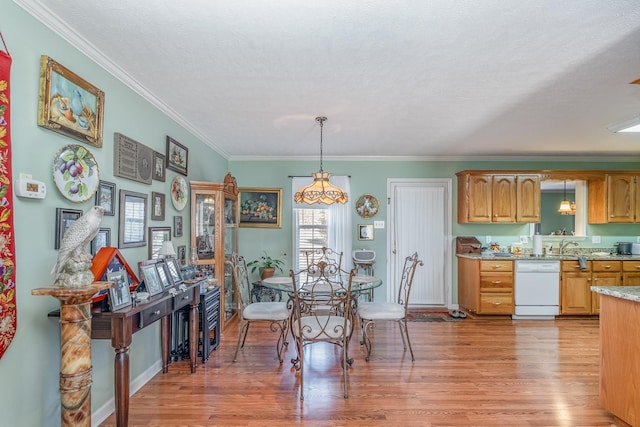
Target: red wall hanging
[[8, 317]]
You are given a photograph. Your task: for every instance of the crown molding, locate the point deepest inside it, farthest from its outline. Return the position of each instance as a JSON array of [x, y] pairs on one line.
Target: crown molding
[[541, 158]]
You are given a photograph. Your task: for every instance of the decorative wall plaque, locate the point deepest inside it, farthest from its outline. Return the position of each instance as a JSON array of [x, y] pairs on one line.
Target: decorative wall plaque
[[132, 160]]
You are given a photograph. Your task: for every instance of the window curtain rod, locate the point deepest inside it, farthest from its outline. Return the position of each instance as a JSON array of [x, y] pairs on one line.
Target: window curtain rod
[[309, 176]]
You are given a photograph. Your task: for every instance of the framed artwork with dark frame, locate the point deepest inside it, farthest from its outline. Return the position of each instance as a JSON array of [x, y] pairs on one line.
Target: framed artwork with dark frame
[[177, 226], [68, 104], [157, 236], [119, 295], [64, 219], [102, 239], [260, 207], [149, 274], [157, 206], [159, 167], [106, 197], [177, 156], [162, 274], [132, 222], [182, 255], [365, 231]]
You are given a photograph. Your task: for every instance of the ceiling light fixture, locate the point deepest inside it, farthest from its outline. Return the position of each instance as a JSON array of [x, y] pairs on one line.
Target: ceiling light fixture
[[628, 126], [565, 205], [321, 190]]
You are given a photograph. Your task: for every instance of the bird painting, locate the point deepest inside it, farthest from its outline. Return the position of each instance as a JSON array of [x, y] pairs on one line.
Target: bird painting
[[73, 247]]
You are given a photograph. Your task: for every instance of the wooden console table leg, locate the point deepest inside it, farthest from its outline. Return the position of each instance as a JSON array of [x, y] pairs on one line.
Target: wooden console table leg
[[75, 351], [194, 333], [121, 372]]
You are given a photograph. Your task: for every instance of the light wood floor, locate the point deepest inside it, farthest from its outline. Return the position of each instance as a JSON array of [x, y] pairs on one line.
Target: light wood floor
[[494, 372]]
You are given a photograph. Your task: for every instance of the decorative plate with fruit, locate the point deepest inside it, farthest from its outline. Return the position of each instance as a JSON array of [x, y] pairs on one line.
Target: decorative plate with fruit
[[75, 172]]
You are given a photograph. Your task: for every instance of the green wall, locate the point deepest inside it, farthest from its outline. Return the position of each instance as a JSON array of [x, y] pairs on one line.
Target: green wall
[[32, 362]]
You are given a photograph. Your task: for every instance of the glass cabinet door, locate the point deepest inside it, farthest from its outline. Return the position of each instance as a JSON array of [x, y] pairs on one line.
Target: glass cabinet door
[[204, 226], [230, 227]]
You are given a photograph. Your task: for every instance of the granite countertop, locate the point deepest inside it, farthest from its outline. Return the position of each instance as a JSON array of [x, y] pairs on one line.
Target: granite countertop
[[567, 257], [631, 293]]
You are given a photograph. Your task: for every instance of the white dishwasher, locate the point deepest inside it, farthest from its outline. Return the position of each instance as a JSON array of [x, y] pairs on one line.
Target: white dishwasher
[[537, 289]]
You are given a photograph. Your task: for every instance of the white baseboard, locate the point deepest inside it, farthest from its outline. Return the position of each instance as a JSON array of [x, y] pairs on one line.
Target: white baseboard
[[109, 407]]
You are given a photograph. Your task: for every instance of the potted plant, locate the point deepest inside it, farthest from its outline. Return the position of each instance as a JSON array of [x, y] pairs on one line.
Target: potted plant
[[266, 265]]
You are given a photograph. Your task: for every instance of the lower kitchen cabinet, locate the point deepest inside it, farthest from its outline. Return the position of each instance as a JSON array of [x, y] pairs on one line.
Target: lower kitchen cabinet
[[575, 286], [485, 286], [631, 273]]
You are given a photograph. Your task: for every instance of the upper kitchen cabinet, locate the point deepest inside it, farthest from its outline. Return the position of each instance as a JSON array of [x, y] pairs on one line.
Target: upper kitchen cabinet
[[500, 198], [615, 200]]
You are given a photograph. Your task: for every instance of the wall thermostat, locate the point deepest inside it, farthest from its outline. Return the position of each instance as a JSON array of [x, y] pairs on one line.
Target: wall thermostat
[[30, 188]]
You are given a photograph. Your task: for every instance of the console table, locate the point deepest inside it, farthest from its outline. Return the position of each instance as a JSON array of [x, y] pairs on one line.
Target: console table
[[120, 325]]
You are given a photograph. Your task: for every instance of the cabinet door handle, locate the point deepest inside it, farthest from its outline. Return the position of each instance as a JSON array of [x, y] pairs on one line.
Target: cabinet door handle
[[637, 266], [185, 297], [497, 282], [497, 303], [157, 312], [607, 266]]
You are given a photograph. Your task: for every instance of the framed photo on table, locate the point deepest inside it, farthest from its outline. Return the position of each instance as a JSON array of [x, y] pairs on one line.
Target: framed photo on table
[[119, 295], [151, 279]]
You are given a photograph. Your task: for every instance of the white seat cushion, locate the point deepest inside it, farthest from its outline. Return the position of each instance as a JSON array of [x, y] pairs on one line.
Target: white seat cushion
[[380, 311], [323, 327], [266, 311]]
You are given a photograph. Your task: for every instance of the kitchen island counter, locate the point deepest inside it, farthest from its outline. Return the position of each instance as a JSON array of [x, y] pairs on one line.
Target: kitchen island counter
[[619, 349]]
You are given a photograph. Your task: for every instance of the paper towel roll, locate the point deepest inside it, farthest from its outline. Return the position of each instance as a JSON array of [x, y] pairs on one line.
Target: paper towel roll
[[537, 245]]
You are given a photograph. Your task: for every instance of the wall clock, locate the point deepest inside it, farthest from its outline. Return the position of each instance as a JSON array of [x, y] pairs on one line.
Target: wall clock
[[367, 206]]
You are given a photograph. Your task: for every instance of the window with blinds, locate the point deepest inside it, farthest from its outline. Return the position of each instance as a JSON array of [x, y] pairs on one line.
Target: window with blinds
[[311, 233]]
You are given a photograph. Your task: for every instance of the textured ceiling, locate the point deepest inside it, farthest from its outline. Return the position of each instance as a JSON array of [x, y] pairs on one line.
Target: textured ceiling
[[440, 78]]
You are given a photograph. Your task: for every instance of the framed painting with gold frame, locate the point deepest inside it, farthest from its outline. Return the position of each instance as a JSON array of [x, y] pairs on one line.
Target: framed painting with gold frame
[[260, 207], [68, 104]]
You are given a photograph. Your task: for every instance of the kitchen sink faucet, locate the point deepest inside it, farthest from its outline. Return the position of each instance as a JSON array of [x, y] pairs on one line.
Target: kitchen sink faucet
[[564, 245]]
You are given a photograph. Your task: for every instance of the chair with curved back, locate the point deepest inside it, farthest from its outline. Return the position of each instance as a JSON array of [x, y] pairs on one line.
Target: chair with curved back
[[322, 312], [371, 312], [275, 313]]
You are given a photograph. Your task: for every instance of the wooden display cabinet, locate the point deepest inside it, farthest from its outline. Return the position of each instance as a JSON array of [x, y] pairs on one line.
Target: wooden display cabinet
[[214, 234]]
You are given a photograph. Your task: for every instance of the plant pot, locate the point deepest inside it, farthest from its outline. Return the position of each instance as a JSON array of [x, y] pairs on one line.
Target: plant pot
[[268, 272]]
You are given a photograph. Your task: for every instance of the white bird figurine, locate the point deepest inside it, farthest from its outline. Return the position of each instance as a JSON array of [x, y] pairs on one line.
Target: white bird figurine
[[77, 237]]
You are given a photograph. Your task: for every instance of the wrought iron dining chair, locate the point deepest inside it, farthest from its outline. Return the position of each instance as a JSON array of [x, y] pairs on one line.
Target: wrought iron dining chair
[[275, 313], [323, 311], [371, 312], [323, 254]]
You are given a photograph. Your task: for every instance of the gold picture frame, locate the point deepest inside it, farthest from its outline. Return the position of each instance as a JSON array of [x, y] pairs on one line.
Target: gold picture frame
[[68, 104], [365, 231], [260, 207]]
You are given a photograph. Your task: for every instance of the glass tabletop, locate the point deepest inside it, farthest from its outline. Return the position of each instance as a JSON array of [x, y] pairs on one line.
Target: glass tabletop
[[360, 283]]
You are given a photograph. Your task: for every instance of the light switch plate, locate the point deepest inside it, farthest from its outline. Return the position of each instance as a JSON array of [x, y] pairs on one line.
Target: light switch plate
[[378, 224], [487, 239], [524, 239], [595, 239]]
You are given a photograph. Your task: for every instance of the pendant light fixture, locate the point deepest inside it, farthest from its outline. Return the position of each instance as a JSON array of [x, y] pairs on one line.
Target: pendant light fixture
[[565, 205], [321, 190]]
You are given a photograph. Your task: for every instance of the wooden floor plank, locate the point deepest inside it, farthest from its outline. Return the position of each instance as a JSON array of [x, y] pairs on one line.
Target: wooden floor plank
[[476, 372]]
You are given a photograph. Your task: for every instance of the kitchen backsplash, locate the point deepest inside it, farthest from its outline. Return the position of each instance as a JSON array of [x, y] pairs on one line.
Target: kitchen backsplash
[[585, 245]]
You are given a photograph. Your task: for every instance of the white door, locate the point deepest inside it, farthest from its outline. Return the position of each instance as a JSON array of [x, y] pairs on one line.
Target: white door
[[420, 221]]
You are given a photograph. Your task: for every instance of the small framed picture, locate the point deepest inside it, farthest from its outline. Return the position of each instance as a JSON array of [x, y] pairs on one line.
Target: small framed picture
[[157, 210], [162, 274], [133, 219], [159, 167], [102, 239], [177, 156], [119, 295], [106, 197], [182, 255], [64, 219], [175, 275], [157, 236], [177, 226], [151, 279], [365, 231]]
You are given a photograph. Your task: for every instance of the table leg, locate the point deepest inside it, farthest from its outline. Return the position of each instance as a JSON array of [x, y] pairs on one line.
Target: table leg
[[165, 337], [122, 386], [194, 333]]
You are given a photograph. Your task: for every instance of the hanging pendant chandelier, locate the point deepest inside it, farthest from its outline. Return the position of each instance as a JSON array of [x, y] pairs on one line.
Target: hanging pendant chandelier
[[321, 190], [565, 205]]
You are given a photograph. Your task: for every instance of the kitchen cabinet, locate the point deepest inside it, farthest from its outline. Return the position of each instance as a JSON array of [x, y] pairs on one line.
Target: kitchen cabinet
[[498, 198], [485, 286], [214, 235], [616, 200], [575, 287], [631, 273]]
